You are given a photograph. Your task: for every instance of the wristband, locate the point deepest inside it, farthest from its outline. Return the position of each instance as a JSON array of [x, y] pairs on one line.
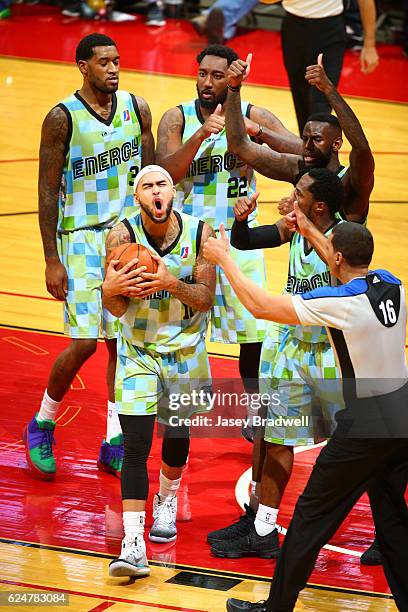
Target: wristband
[[231, 88]]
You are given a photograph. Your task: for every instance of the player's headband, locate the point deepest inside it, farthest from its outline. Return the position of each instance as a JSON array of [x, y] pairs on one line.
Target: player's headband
[[152, 168]]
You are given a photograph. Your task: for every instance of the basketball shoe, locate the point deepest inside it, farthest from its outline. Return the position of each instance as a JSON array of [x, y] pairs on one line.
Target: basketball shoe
[[239, 528], [164, 513], [239, 605], [249, 545], [111, 456], [39, 439], [372, 556], [132, 560]]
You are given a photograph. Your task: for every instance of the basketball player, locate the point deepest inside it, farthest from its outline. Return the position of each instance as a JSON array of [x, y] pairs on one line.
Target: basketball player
[[161, 350], [92, 146], [294, 368], [365, 318], [287, 354], [192, 146]]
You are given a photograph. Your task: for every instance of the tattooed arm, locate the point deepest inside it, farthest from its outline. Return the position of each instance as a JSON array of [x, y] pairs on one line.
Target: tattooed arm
[[118, 235], [360, 182], [171, 152], [279, 166], [52, 154], [147, 136], [272, 132], [199, 294]]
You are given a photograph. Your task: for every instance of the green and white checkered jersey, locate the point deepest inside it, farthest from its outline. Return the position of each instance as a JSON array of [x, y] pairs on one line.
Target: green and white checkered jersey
[[160, 322], [231, 322], [306, 272], [102, 160], [216, 178]]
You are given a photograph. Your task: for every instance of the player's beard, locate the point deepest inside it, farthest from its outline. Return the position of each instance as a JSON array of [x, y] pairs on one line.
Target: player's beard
[[104, 87], [321, 160], [152, 216], [212, 104]]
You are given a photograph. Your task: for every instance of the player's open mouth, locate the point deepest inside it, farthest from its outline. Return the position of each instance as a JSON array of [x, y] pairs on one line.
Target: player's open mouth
[[158, 205], [309, 159], [207, 95]]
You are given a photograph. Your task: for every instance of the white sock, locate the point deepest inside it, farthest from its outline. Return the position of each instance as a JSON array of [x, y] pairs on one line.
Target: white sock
[[113, 428], [49, 408], [168, 488], [133, 524], [265, 520], [253, 487]]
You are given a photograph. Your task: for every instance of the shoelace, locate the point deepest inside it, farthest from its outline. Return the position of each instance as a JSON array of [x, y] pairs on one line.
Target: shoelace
[[48, 441], [134, 548], [165, 514], [240, 524]]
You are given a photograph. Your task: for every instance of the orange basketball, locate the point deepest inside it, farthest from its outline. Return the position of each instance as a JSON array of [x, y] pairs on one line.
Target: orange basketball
[[130, 250]]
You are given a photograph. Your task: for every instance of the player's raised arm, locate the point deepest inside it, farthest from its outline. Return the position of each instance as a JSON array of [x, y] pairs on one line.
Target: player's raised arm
[[270, 163], [147, 136], [254, 298], [176, 156], [268, 129], [52, 154], [247, 238], [361, 172]]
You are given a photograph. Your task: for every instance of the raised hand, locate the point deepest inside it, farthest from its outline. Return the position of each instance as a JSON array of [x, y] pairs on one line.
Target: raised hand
[[238, 71], [303, 223], [214, 123], [285, 205], [214, 249], [244, 206], [316, 75]]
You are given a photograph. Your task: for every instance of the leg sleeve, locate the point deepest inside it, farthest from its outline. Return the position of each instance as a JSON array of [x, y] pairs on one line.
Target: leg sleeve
[[137, 439]]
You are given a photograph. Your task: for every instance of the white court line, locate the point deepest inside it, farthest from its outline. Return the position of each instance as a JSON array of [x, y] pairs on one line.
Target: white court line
[[242, 497]]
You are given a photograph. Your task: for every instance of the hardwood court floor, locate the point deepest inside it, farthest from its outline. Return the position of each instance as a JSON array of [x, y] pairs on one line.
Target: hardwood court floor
[[68, 516]]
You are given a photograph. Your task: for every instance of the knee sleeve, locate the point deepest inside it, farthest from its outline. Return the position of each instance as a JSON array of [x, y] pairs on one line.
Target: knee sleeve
[[249, 358], [137, 439], [176, 445]]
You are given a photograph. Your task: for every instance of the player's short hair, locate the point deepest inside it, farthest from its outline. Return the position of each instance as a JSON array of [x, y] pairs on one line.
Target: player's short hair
[[325, 118], [355, 242], [327, 187], [85, 48], [219, 51]]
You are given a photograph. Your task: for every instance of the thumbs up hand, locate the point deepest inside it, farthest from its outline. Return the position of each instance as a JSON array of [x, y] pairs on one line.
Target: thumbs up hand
[[317, 77], [245, 206], [238, 71], [216, 250], [214, 124]]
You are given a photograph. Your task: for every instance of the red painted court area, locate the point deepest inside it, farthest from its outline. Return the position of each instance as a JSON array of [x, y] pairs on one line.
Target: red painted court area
[[81, 509], [47, 35]]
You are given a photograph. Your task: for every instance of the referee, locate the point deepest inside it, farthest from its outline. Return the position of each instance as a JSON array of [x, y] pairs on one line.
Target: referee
[[366, 322]]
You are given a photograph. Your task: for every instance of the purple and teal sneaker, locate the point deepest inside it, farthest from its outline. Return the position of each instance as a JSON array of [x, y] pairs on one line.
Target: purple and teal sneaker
[[38, 440], [111, 456]]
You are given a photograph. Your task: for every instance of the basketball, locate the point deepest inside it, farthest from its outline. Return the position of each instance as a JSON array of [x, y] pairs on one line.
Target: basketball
[[127, 252]]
